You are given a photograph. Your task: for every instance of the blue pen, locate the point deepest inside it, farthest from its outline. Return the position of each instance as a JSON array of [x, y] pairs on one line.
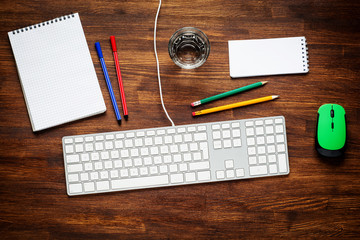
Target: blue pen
[[108, 83]]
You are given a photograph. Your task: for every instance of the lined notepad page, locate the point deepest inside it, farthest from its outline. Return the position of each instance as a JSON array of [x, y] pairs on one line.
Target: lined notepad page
[[56, 72], [273, 56]]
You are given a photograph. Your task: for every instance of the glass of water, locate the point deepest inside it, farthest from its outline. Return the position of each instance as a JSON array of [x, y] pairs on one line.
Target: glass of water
[[189, 47]]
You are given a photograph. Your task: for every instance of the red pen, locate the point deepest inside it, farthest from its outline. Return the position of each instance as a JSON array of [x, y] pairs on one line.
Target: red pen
[[118, 73]]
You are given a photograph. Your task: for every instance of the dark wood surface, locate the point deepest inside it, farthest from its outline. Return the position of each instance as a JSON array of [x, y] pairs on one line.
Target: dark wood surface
[[318, 199]]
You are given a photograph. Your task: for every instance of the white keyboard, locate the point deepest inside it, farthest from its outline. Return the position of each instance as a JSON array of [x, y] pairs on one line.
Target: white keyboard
[[169, 156]]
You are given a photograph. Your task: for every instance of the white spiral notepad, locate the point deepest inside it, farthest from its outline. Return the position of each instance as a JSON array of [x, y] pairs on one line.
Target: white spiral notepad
[[56, 72], [274, 56]]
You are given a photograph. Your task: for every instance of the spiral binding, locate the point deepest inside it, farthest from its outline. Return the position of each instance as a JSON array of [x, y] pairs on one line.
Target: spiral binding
[[305, 56], [38, 25]]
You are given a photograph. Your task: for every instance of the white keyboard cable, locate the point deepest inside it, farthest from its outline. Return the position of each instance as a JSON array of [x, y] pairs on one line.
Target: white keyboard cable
[[158, 67]]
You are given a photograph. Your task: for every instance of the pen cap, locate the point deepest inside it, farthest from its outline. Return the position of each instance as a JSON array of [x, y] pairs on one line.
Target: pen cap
[[98, 49], [113, 43]]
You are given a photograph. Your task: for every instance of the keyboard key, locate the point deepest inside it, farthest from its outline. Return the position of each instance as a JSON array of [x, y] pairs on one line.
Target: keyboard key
[[194, 147], [237, 142], [220, 174], [177, 178], [236, 133], [134, 172], [84, 176], [250, 132], [259, 122], [251, 150], [190, 177], [240, 172], [196, 156], [69, 149], [99, 138], [260, 140], [270, 139], [230, 173], [268, 121], [271, 148], [75, 188], [273, 168], [89, 147], [261, 150], [114, 173], [203, 176], [250, 141], [79, 148], [75, 168], [258, 170], [144, 170], [109, 137], [201, 128], [272, 158], [225, 125], [235, 125], [72, 158], [217, 145], [262, 159], [200, 136], [281, 148], [269, 129], [191, 129], [109, 145], [280, 138], [229, 163], [89, 139], [173, 168], [140, 182], [226, 134], [259, 131], [279, 129], [215, 127], [140, 134], [227, 143], [73, 177], [252, 160], [103, 185], [278, 120], [282, 163], [216, 135], [68, 140], [249, 124], [94, 175], [104, 175], [163, 169], [199, 166], [183, 167], [89, 187]]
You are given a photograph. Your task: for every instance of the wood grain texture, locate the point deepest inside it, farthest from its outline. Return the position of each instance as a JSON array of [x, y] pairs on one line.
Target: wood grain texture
[[318, 199]]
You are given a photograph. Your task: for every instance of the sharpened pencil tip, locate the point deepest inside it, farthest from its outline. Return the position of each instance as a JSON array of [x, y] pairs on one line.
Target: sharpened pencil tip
[[264, 82], [275, 96], [119, 122], [126, 117]]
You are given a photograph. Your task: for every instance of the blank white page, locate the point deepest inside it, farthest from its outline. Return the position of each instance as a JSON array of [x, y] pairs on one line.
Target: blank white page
[[56, 72], [272, 56]]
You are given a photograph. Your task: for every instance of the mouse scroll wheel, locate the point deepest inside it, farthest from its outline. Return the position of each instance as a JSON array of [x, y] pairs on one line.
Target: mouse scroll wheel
[[332, 113]]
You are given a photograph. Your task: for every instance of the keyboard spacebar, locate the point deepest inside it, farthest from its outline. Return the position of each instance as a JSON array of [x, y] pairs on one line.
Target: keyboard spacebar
[[140, 182]]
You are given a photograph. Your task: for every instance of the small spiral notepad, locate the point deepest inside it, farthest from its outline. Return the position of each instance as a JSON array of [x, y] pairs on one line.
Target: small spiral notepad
[[56, 72], [273, 56]]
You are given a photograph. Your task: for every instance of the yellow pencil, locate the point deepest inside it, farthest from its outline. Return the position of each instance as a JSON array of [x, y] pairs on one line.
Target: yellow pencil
[[234, 105]]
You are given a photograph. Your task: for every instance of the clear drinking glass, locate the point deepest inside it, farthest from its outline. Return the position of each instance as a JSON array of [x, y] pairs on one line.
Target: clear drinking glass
[[189, 47]]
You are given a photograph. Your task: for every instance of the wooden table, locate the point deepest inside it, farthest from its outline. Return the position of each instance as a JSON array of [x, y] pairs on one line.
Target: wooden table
[[318, 199]]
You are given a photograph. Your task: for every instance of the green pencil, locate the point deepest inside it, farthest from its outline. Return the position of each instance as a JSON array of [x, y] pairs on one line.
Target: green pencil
[[229, 93]]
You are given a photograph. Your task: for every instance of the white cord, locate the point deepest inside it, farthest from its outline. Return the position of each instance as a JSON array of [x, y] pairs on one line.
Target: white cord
[[158, 67]]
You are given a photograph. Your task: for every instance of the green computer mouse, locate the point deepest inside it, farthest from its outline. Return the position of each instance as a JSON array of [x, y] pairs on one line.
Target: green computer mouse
[[330, 138]]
